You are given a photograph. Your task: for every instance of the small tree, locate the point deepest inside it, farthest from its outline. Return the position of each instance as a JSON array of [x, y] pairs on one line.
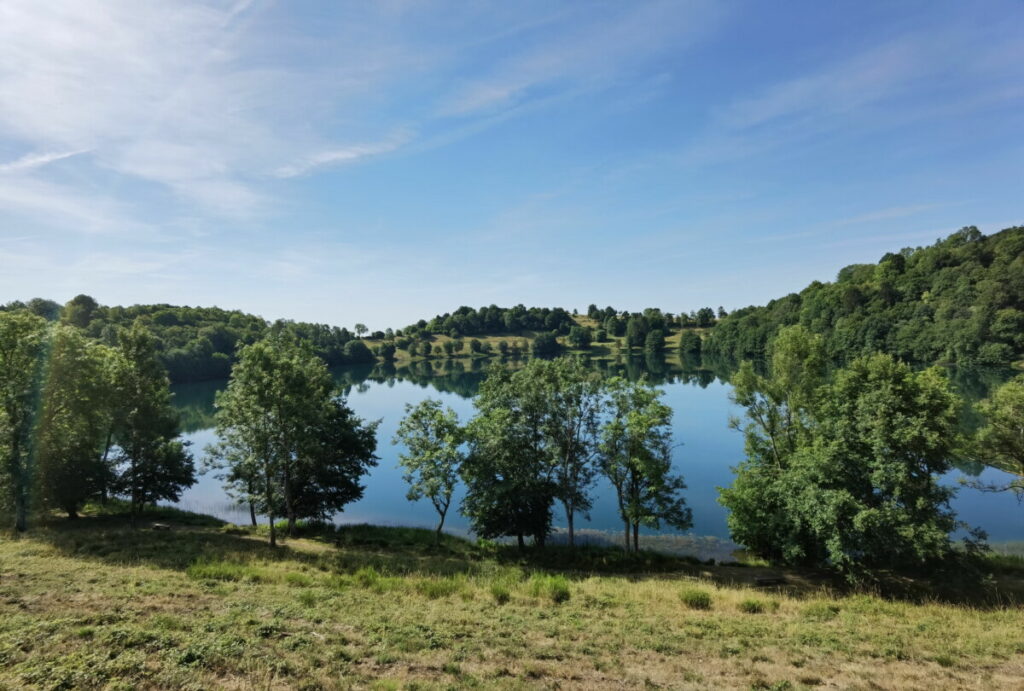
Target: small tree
[[636, 444], [361, 329], [433, 438]]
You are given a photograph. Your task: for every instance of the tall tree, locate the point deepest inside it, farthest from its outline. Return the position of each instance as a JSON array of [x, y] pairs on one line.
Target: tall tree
[[22, 346], [288, 442], [636, 444], [76, 421], [152, 463], [433, 438], [574, 401], [844, 473], [507, 472]]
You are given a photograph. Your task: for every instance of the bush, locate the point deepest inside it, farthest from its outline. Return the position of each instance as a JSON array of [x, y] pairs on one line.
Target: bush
[[821, 611], [752, 606], [695, 598], [435, 588], [500, 591], [555, 587]]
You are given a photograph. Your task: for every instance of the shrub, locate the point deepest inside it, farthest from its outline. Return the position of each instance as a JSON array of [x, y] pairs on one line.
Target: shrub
[[555, 587], [821, 611], [500, 591], [435, 588], [752, 606], [695, 598]]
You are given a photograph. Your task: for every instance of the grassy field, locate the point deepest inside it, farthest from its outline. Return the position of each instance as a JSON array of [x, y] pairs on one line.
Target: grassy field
[[95, 604]]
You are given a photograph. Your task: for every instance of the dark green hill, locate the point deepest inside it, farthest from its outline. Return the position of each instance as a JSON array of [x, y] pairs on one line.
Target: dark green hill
[[960, 300]]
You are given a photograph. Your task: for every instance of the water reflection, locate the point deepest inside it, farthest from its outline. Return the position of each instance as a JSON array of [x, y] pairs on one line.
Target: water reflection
[[698, 393]]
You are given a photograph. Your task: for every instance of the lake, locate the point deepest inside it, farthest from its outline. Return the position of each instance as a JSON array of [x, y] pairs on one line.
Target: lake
[[707, 450]]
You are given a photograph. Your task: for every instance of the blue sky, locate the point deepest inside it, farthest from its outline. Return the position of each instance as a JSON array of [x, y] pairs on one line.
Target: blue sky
[[381, 161]]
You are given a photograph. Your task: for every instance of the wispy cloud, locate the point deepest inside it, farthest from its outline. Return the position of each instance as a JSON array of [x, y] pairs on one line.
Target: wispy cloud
[[890, 213], [337, 156], [592, 48], [36, 160]]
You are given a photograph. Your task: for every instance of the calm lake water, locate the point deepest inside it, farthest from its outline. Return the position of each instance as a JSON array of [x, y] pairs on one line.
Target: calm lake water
[[707, 451]]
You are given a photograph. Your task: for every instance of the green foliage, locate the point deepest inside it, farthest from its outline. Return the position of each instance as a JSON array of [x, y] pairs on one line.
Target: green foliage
[[635, 456], [552, 586], [151, 463], [22, 347], [960, 300], [696, 598], [433, 438], [509, 488], [77, 420], [752, 606], [545, 344], [1001, 441], [843, 473], [289, 444]]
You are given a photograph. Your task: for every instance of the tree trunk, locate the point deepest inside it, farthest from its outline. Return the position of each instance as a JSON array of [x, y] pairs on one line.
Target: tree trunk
[[636, 537], [20, 500], [627, 535], [252, 513], [440, 526], [522, 542], [270, 505], [569, 515], [289, 509]]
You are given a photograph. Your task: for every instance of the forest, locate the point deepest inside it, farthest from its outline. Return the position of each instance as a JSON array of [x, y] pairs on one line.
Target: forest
[[961, 300], [958, 301]]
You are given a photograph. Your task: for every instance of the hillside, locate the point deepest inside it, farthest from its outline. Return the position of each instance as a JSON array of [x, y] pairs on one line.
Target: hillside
[[960, 300], [92, 603]]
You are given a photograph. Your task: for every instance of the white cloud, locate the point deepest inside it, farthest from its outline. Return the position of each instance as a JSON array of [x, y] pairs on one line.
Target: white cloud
[[36, 160], [337, 156]]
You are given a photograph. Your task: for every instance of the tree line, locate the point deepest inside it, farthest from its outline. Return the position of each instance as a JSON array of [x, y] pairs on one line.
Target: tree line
[[960, 300], [841, 471], [540, 438], [82, 420]]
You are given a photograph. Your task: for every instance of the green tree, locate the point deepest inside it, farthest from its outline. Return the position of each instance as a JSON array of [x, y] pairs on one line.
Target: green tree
[[288, 442], [579, 337], [843, 473], [636, 331], [545, 343], [635, 456], [507, 471], [22, 346], [654, 342], [152, 464], [574, 400], [80, 311], [76, 423], [1001, 440], [433, 439], [361, 329], [690, 343]]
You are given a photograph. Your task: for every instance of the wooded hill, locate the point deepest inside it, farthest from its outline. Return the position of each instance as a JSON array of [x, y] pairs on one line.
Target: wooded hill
[[960, 300]]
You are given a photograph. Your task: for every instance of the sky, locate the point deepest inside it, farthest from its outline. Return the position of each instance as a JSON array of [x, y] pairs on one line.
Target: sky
[[379, 162]]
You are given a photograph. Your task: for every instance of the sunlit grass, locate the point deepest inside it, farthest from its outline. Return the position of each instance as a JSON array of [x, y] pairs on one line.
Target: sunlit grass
[[96, 604]]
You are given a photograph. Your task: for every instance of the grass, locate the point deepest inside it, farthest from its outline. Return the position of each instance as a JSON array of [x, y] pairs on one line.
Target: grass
[[95, 604]]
